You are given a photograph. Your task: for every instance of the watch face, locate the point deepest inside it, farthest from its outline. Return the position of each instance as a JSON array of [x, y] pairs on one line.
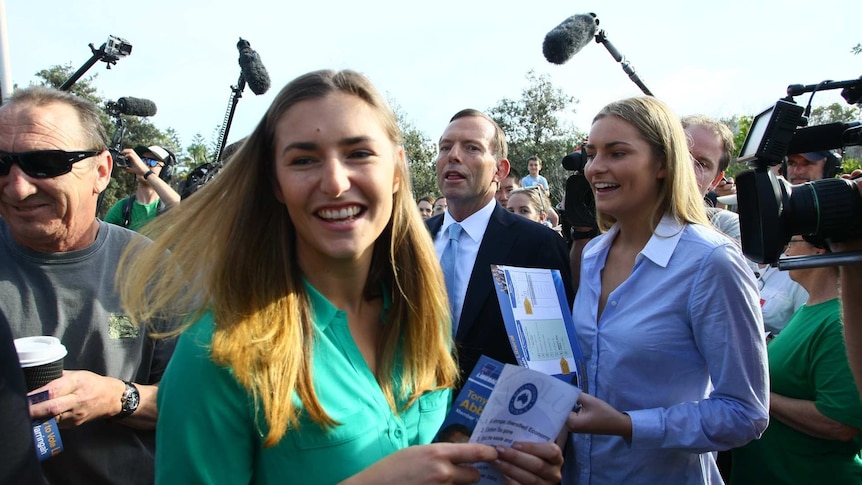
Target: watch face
[[131, 399]]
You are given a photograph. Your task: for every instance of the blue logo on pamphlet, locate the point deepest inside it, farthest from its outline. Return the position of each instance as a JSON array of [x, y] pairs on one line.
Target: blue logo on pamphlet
[[523, 399]]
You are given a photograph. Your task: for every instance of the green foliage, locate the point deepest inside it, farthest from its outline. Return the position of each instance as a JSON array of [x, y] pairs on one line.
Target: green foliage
[[198, 151], [833, 113], [421, 155], [534, 127], [739, 125], [850, 164], [857, 49]]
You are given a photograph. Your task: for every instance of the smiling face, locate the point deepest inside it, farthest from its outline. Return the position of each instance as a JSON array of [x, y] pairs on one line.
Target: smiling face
[[467, 168], [623, 170], [520, 204], [335, 168], [50, 214]]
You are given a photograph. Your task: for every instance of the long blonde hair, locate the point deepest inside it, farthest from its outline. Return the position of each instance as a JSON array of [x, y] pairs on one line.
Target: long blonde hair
[[661, 128], [231, 249]]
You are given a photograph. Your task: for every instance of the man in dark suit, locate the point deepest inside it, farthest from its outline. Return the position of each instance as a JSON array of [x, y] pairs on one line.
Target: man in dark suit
[[471, 162]]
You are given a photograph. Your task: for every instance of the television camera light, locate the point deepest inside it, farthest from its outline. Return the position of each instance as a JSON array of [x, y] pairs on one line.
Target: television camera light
[[770, 133]]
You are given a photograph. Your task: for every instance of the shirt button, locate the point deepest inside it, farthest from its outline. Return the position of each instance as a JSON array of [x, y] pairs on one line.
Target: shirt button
[[614, 303], [398, 433]]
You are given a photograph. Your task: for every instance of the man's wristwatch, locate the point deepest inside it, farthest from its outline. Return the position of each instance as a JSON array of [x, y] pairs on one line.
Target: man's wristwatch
[[148, 173], [130, 400]]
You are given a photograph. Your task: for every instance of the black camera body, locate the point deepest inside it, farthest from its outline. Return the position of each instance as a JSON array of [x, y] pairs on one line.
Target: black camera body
[[114, 110], [120, 160], [771, 210], [580, 205]]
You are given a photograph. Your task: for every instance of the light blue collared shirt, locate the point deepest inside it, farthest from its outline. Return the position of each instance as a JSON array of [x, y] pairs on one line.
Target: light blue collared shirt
[[473, 232], [679, 347]]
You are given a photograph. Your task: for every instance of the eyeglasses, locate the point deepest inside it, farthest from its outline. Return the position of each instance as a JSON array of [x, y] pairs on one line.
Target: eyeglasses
[[43, 164], [151, 162], [541, 191]]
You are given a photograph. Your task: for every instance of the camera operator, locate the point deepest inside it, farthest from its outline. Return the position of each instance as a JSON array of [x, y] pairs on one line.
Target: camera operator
[[153, 168], [808, 167]]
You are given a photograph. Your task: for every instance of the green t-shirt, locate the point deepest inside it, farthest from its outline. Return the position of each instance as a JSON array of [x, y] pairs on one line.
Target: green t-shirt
[[140, 215], [208, 432], [807, 360]]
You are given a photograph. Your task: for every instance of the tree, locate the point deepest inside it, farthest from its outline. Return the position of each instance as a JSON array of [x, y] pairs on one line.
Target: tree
[[139, 131], [421, 154], [833, 113], [857, 49], [198, 151], [739, 125], [534, 127]]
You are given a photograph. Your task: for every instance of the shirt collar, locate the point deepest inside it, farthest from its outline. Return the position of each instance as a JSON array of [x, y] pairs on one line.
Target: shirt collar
[[658, 249], [663, 241], [323, 312], [475, 224]]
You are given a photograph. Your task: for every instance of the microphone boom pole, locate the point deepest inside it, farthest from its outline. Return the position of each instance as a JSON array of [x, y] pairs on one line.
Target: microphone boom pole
[[251, 73], [109, 52], [236, 94], [602, 38]]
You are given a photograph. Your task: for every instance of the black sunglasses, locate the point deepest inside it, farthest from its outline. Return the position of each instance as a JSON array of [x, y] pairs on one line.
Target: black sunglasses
[[43, 164]]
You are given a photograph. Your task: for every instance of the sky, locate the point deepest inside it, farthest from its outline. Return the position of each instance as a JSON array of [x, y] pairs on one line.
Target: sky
[[718, 58]]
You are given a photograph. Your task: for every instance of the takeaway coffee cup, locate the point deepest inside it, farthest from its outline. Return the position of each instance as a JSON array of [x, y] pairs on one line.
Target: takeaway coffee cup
[[41, 358]]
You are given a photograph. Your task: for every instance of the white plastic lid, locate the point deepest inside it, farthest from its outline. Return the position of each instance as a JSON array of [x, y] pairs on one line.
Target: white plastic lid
[[727, 199], [33, 351]]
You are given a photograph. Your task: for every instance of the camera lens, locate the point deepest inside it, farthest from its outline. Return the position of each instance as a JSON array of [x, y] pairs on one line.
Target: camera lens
[[828, 208]]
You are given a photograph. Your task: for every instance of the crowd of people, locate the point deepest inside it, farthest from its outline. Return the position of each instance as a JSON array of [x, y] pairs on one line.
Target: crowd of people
[[315, 328]]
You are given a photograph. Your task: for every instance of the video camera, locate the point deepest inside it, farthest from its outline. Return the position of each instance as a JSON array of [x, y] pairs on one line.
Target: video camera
[[771, 210], [114, 49], [579, 210], [113, 110]]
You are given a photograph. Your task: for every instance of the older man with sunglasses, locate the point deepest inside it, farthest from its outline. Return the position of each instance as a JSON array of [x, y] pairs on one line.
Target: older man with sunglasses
[[57, 266], [153, 195]]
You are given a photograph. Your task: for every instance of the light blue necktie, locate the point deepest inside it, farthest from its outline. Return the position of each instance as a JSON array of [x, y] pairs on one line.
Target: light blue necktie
[[449, 261]]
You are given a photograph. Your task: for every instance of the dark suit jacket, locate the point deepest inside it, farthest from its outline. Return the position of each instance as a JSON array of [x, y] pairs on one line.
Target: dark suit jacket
[[512, 240]]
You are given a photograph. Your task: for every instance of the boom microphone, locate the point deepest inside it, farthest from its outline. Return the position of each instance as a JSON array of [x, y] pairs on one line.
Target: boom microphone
[[826, 137], [252, 68], [136, 106], [566, 39]]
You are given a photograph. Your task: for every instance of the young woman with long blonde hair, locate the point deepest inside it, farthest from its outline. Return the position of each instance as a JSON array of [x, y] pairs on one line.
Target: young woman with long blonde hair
[[667, 313], [321, 348]]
